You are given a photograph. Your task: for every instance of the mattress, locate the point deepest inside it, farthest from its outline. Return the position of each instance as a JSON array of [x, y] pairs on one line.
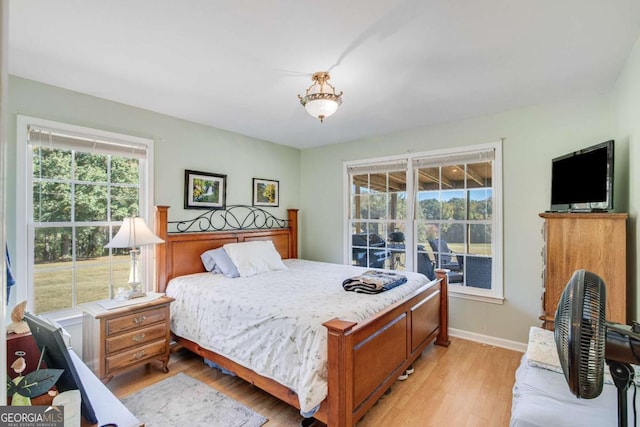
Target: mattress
[[541, 396], [272, 322]]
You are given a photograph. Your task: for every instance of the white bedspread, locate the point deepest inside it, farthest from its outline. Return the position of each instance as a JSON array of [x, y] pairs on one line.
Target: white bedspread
[[272, 322]]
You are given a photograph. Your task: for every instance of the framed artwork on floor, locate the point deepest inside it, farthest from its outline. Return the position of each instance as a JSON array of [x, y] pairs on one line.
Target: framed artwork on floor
[[266, 192], [204, 190]]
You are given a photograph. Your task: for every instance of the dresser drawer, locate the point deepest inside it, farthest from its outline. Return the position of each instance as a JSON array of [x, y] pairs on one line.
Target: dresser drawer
[[136, 354], [137, 337], [119, 339], [135, 321]]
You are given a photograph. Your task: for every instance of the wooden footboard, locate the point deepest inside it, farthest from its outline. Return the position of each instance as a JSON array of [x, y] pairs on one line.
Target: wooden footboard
[[364, 358]]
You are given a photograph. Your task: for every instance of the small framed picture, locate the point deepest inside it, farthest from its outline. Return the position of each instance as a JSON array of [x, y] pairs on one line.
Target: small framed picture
[[203, 190], [266, 192]]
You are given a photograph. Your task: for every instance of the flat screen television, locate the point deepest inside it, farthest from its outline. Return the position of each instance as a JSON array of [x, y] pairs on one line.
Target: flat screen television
[[582, 181], [56, 356]]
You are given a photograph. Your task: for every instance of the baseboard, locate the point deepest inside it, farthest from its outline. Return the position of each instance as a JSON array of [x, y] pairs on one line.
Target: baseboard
[[489, 340]]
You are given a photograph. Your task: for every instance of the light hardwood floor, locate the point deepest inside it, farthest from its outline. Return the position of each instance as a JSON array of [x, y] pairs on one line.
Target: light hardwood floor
[[467, 384]]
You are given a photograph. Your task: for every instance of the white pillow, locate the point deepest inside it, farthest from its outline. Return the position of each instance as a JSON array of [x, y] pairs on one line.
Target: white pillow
[[255, 257]]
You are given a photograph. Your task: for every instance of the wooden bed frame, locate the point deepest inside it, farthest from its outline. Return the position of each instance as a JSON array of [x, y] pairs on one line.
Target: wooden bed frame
[[364, 359]]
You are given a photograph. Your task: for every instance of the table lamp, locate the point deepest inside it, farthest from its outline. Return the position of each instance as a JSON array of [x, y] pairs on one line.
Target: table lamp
[[134, 233]]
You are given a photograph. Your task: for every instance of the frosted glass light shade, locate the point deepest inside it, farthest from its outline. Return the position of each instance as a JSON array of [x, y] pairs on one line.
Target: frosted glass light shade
[[133, 233], [321, 107], [321, 99]]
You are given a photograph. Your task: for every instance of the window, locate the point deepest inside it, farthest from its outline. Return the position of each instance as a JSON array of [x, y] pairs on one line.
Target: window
[[378, 219], [455, 223], [79, 185]]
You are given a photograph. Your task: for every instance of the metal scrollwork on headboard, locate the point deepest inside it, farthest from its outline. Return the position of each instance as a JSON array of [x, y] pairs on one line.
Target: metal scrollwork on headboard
[[234, 217]]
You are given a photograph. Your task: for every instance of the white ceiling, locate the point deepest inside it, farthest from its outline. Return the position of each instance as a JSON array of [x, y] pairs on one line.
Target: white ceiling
[[240, 64]]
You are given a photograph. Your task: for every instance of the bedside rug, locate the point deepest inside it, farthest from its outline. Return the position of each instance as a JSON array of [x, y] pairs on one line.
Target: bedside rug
[[184, 401]]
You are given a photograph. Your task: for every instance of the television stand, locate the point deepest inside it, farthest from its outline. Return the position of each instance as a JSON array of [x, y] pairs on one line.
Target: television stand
[[594, 241]]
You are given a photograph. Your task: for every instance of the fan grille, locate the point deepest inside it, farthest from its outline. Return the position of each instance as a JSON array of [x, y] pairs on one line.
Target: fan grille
[[580, 333]]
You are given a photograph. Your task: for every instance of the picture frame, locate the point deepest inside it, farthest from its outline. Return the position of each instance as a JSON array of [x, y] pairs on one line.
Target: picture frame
[[204, 190], [266, 192]]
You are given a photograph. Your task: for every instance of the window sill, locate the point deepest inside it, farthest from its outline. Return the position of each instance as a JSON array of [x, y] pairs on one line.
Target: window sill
[[65, 318], [485, 296]]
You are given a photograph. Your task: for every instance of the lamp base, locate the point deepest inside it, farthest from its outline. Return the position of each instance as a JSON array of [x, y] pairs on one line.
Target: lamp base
[[136, 294], [135, 290]]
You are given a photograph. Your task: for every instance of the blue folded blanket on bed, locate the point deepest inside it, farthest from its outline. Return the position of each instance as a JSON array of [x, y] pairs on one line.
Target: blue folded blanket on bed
[[373, 282]]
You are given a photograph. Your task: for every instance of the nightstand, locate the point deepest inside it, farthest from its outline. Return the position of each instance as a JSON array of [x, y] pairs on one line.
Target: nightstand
[[119, 338]]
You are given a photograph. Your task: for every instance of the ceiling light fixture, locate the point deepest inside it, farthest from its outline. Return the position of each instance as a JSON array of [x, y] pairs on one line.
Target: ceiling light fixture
[[321, 99]]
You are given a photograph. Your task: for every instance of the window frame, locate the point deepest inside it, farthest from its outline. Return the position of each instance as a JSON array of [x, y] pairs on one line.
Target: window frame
[[493, 295], [388, 166], [24, 200]]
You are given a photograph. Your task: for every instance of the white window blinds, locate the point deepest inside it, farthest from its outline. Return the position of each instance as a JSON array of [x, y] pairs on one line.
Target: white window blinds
[[448, 159], [384, 167], [71, 140]]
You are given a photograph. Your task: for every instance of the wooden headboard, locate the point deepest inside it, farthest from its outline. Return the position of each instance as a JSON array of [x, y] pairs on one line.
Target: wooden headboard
[[180, 252]]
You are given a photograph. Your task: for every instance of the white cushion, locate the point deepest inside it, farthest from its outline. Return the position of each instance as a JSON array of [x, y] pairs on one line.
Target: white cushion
[[255, 257]]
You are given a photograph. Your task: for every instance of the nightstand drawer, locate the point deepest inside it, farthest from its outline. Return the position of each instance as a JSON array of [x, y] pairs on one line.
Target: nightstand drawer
[[135, 321], [137, 354], [118, 339], [136, 338]]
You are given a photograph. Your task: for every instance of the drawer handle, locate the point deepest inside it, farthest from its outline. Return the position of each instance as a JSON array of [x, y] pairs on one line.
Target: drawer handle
[[139, 355], [139, 319], [138, 338]]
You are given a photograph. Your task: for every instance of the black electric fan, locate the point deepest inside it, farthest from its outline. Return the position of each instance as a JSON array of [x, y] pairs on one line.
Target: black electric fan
[[585, 340]]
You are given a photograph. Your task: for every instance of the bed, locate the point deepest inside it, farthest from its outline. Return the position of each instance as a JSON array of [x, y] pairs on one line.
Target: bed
[[541, 396], [364, 353]]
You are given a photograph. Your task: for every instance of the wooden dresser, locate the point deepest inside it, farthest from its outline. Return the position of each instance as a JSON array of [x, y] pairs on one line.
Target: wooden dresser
[[595, 242], [120, 338]]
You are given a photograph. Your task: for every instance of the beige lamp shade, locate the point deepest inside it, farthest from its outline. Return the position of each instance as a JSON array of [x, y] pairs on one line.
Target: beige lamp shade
[[133, 233]]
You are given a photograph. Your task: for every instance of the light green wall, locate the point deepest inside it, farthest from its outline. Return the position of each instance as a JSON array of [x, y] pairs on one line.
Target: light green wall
[[626, 101], [179, 145], [312, 179], [533, 136]]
